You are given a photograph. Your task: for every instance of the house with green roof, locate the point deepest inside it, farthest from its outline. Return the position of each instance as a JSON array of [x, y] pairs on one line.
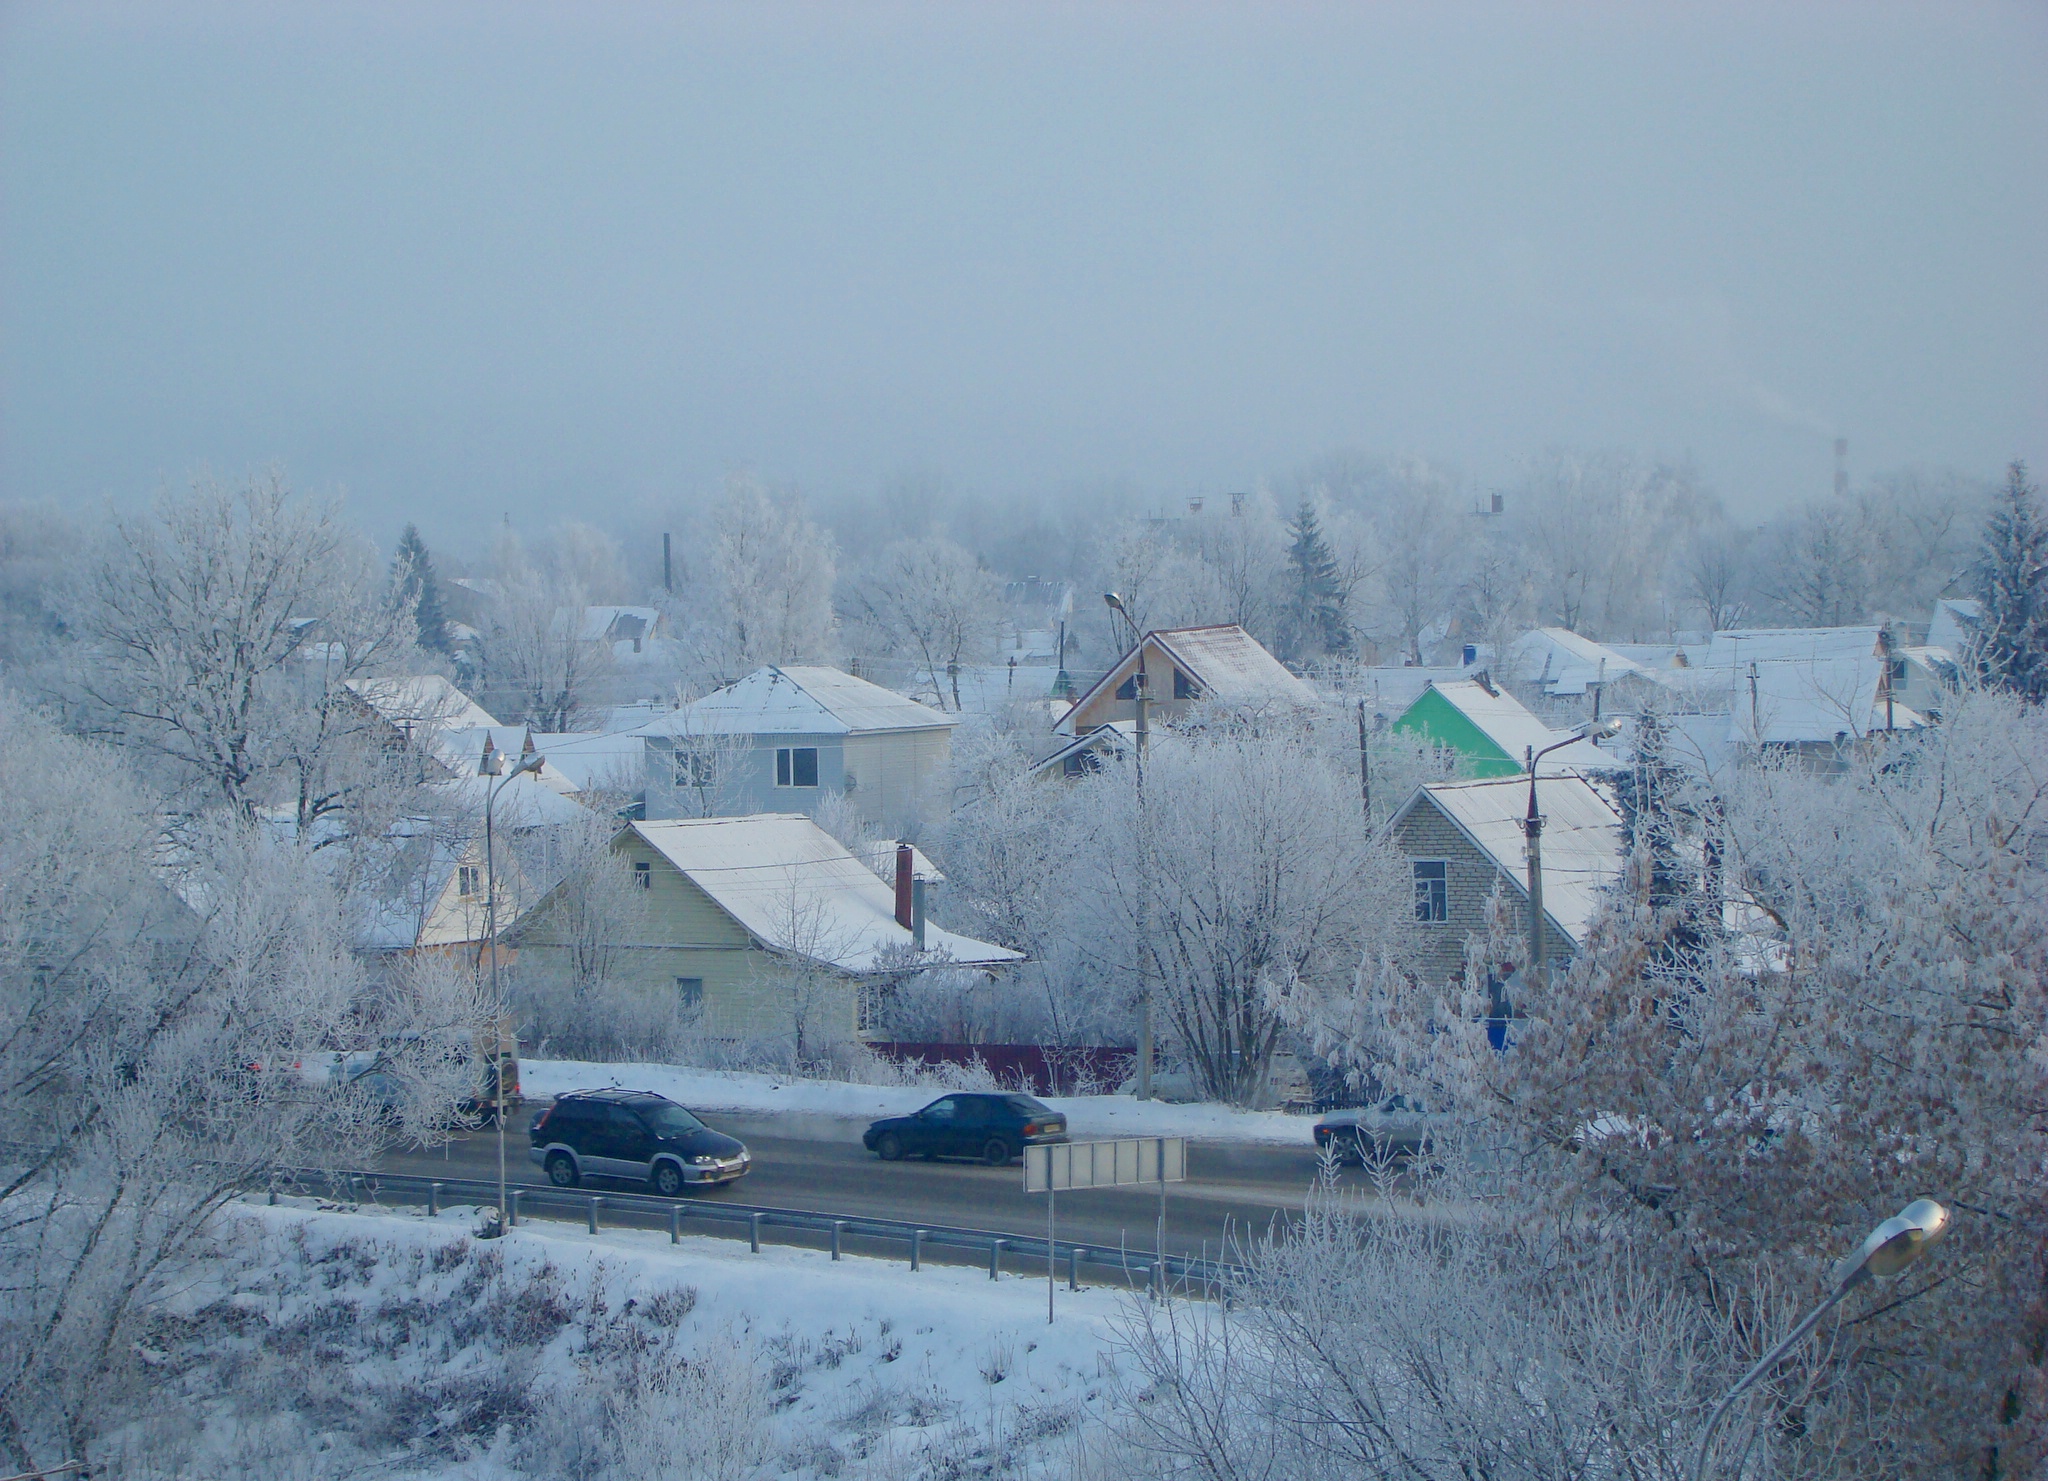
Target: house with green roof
[[1491, 731]]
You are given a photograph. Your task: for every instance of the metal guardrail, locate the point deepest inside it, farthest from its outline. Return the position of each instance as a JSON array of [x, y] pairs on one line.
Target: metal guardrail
[[1141, 1269]]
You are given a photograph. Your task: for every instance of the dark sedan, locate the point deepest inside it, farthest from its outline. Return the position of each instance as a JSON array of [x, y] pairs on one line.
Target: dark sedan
[[629, 1134], [1396, 1129], [993, 1128]]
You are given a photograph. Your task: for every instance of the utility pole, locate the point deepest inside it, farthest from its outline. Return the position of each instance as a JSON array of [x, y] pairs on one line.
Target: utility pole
[[1364, 768], [1532, 829], [1144, 897]]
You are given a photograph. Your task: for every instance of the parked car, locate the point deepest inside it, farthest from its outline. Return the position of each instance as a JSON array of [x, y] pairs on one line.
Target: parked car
[[994, 1128], [1397, 1128], [632, 1134]]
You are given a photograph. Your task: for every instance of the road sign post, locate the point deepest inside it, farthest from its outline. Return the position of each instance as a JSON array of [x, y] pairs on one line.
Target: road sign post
[[1121, 1164]]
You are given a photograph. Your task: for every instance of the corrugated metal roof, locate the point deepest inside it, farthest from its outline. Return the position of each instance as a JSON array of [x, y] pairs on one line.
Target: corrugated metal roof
[[1231, 666], [1582, 842], [1743, 645], [796, 889], [798, 701], [421, 702]]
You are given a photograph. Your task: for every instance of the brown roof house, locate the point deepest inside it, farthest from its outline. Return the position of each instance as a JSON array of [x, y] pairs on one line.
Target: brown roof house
[[1464, 838]]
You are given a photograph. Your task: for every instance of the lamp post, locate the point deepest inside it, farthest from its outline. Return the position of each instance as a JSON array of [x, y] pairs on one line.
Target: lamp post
[[1532, 830], [493, 765], [1139, 697], [1885, 1251]]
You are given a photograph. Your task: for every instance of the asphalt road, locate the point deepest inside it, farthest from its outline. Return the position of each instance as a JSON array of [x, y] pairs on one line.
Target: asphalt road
[[1233, 1191]]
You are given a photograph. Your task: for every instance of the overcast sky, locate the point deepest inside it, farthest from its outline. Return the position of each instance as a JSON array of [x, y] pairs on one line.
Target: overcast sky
[[459, 260]]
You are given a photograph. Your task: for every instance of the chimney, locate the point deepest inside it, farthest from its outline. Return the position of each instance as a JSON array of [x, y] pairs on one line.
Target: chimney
[[903, 885], [1500, 503], [917, 912]]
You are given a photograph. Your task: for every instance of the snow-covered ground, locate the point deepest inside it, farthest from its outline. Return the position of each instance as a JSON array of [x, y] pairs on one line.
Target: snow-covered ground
[[834, 1109], [468, 1360]]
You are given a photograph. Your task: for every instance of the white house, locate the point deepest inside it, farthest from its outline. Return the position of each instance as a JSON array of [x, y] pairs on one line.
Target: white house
[[784, 739]]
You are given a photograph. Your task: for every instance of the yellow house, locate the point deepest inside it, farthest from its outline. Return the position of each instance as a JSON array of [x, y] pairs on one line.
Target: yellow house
[[1181, 666], [761, 925]]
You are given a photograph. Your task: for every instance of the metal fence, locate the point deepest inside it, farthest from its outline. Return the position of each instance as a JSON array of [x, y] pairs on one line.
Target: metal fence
[[1137, 1269]]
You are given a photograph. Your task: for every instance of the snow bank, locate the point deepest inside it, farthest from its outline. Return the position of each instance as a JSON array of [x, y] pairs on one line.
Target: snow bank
[[939, 1372], [1089, 1117]]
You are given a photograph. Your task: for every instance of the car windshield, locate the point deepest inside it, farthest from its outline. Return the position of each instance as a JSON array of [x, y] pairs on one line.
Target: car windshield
[[669, 1119], [1024, 1105]]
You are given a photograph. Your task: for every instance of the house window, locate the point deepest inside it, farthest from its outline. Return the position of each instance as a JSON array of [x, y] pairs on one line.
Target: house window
[[1432, 892], [469, 881], [1128, 689], [1081, 763], [1183, 686], [696, 769], [690, 995], [796, 766], [643, 874]]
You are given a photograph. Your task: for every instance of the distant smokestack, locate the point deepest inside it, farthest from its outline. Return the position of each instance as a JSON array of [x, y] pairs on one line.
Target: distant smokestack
[[917, 912], [668, 572], [903, 885], [1500, 502]]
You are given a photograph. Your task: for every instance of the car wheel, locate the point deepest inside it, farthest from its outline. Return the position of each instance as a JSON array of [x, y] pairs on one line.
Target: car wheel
[[889, 1147], [562, 1170], [996, 1153], [667, 1180]]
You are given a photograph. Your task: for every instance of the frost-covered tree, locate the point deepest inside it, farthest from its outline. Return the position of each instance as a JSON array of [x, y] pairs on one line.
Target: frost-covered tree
[[217, 637], [2011, 579], [1244, 870], [930, 600], [766, 592], [165, 1006], [1834, 1003], [538, 664]]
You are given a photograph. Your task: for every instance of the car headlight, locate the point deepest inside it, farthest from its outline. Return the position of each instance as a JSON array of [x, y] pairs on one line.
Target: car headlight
[[703, 1161]]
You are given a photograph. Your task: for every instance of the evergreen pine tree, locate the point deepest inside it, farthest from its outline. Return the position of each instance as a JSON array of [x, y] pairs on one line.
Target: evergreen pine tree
[[2011, 579], [414, 585], [1316, 622]]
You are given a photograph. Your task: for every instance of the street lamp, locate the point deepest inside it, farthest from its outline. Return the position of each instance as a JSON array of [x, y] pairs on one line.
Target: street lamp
[[1532, 829], [493, 765], [1885, 1251], [1116, 604]]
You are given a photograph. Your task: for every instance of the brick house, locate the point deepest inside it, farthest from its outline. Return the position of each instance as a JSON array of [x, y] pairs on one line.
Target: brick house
[[1464, 838]]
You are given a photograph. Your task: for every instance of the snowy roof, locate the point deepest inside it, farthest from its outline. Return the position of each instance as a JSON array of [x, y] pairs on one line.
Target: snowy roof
[[797, 889], [1954, 624], [595, 758], [1230, 665], [1388, 688], [1225, 661], [596, 624], [880, 856], [421, 703], [1509, 724], [1793, 702], [1564, 662], [797, 701], [462, 751], [1582, 842], [523, 802], [1744, 645], [1111, 738]]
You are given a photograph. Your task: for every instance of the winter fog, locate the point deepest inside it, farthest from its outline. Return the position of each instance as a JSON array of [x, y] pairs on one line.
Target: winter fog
[[1041, 743]]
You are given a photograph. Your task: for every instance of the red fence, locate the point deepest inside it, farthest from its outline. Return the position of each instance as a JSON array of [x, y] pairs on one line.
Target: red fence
[[1040, 1069]]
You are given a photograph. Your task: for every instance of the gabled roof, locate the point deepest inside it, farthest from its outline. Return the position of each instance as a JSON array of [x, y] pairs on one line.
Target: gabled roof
[[1111, 738], [1509, 725], [1743, 645], [798, 701], [1225, 661], [1955, 624], [1565, 662], [591, 758], [421, 704], [796, 889], [1583, 851], [1813, 703]]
